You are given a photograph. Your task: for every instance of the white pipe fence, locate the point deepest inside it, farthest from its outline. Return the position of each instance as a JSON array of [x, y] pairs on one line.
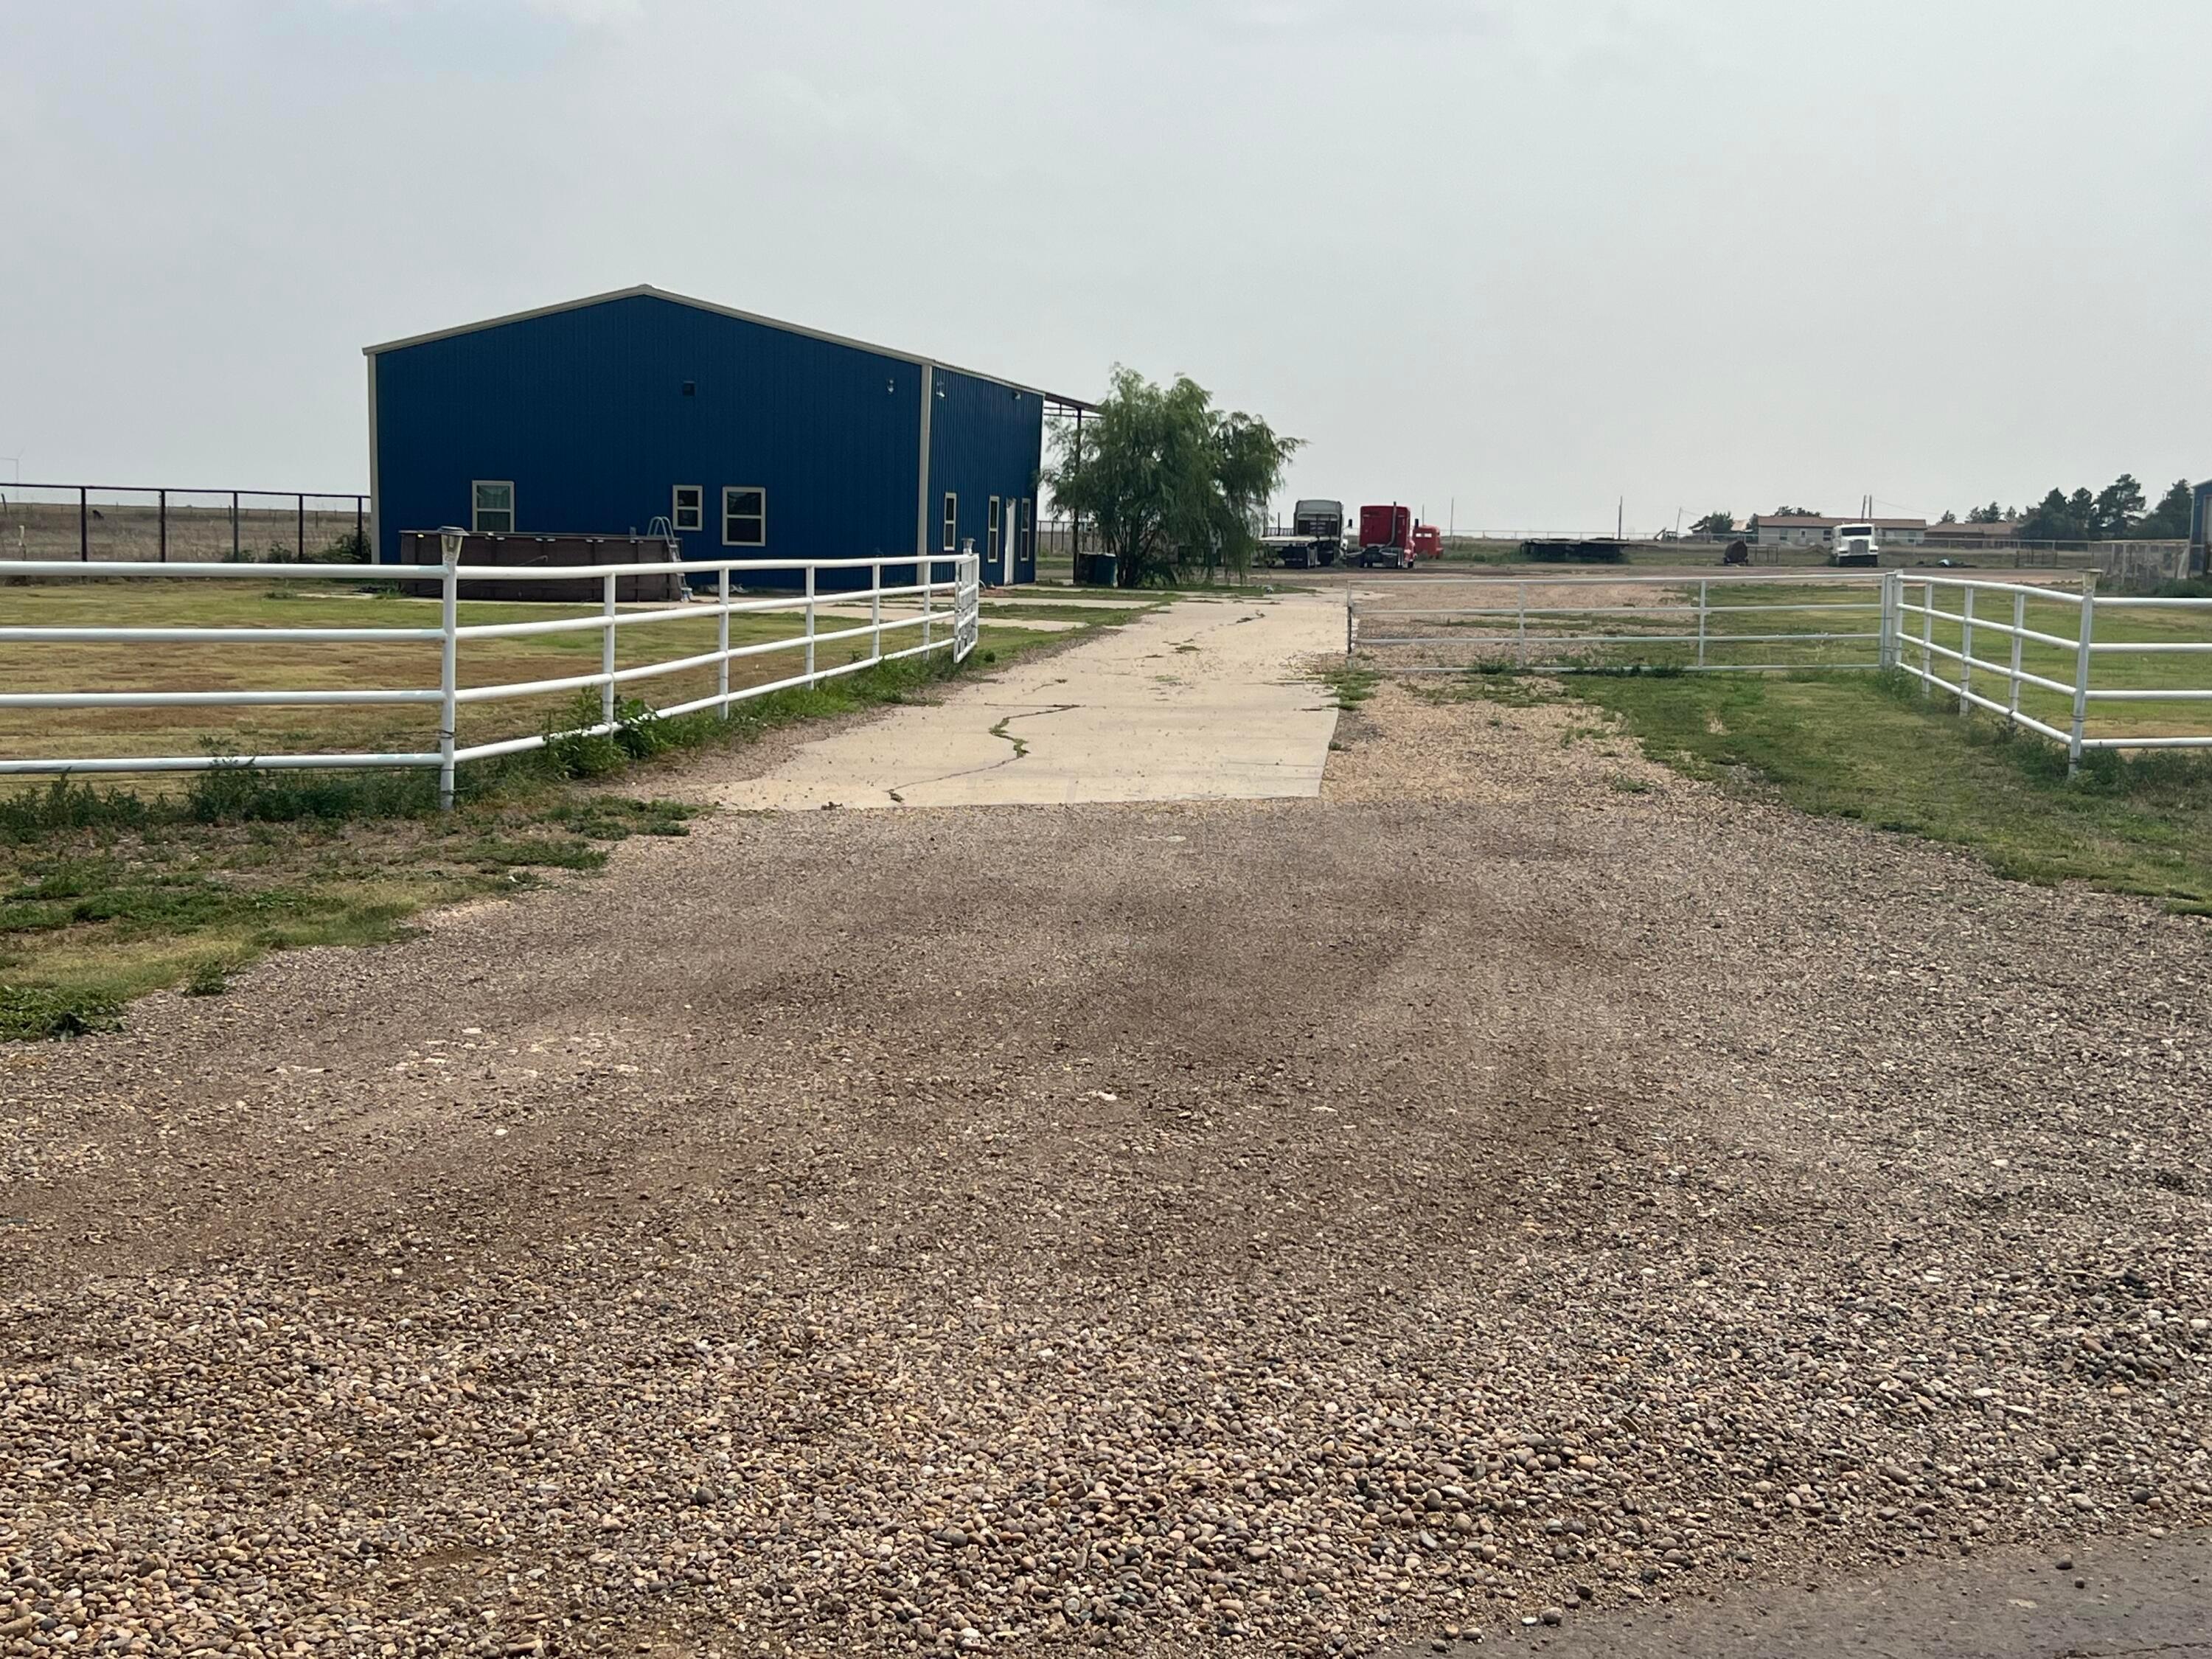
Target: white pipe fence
[[1504, 603], [932, 627], [1920, 656], [1590, 624]]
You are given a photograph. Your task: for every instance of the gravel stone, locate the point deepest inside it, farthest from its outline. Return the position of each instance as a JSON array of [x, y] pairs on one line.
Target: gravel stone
[[1283, 1226]]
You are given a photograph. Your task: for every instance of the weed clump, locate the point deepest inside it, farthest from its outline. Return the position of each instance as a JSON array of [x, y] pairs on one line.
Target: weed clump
[[32, 1013]]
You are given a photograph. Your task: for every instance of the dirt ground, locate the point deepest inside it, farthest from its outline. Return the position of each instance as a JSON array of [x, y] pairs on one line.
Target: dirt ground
[[1519, 1185]]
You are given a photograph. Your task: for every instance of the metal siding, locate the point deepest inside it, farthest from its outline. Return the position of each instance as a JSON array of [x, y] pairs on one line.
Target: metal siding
[[986, 438], [584, 410]]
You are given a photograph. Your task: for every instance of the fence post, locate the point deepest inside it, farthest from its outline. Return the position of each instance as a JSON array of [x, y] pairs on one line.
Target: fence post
[[449, 611], [2019, 622], [1927, 637], [1701, 623], [2089, 628], [360, 541], [1351, 625], [810, 621], [722, 644], [301, 502], [1966, 647], [83, 526], [607, 650], [1520, 625], [162, 511], [1885, 647], [876, 609], [233, 524]]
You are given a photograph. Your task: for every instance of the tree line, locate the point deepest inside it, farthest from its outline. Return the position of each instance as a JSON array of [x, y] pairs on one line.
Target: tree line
[[2114, 513]]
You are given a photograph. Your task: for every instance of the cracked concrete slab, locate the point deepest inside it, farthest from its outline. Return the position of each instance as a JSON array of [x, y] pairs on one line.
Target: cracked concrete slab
[[1191, 702]]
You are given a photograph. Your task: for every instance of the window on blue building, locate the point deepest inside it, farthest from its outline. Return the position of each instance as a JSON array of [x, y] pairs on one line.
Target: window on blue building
[[491, 507], [951, 522], [745, 516], [688, 508]]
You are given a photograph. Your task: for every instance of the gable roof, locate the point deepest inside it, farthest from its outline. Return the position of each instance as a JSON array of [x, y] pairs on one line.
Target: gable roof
[[647, 290], [1823, 522]]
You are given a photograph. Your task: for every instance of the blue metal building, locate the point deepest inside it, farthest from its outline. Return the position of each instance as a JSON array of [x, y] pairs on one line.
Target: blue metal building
[[751, 437]]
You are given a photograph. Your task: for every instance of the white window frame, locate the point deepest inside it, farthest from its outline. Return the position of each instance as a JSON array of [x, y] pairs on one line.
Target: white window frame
[[951, 536], [992, 530], [729, 490], [698, 508], [476, 508], [1025, 538]]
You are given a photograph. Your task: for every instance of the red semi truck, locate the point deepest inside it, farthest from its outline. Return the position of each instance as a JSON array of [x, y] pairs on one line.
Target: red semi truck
[[1386, 537]]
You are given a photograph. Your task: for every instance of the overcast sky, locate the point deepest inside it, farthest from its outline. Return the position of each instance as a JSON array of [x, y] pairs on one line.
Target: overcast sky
[[1505, 259]]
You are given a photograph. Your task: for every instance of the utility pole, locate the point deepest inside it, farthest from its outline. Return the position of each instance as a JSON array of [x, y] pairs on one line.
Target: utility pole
[[1621, 520]]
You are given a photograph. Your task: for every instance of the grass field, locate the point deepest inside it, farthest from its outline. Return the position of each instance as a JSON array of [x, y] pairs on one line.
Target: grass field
[[1627, 638], [1801, 609], [1867, 747], [2116, 623], [107, 894], [398, 665]]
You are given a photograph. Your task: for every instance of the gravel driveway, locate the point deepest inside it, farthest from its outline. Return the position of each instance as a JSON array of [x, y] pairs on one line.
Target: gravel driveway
[[1517, 1183]]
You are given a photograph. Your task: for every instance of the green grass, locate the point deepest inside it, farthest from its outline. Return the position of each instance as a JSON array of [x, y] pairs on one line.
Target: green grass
[[1787, 608], [2116, 623], [1350, 684], [1869, 748], [107, 894], [395, 664]]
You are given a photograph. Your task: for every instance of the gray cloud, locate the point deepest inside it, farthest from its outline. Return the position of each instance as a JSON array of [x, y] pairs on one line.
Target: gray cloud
[[1521, 256]]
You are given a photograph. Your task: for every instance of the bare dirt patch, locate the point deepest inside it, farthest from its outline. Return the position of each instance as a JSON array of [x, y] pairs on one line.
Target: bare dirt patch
[[1497, 742], [1119, 1226]]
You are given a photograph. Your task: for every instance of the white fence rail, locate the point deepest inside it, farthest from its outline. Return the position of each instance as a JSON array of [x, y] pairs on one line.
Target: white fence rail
[[937, 612], [1918, 604], [1546, 623], [1933, 628]]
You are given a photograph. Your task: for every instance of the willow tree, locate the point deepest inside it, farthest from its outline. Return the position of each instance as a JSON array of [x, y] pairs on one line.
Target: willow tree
[[1174, 489]]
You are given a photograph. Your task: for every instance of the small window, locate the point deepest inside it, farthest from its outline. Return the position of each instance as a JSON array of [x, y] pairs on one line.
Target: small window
[[951, 522], [689, 506], [745, 516], [491, 508], [991, 534], [1025, 547]]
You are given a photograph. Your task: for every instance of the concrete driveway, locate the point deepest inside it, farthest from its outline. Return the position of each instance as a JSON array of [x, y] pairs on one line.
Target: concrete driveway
[[1201, 701]]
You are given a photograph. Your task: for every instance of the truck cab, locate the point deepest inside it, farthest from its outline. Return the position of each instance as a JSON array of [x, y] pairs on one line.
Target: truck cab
[[1385, 537], [1855, 544], [1320, 524]]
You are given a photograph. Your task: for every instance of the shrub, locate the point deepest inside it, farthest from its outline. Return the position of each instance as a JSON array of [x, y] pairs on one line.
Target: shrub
[[30, 1013]]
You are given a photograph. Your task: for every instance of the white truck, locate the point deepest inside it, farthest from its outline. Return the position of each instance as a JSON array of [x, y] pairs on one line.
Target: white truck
[[1855, 545]]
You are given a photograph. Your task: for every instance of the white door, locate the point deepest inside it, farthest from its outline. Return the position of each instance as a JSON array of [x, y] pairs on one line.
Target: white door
[[994, 542]]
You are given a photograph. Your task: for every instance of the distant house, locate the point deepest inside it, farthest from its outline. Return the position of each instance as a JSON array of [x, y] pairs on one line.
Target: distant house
[[2003, 533], [1815, 529]]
